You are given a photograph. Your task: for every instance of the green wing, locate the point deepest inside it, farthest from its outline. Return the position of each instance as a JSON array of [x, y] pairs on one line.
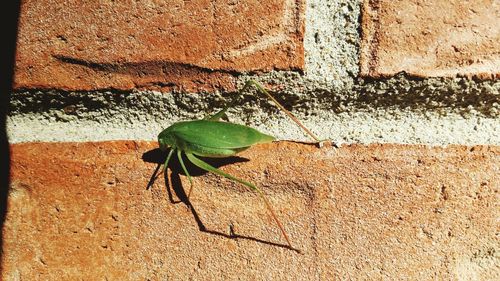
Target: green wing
[[218, 134]]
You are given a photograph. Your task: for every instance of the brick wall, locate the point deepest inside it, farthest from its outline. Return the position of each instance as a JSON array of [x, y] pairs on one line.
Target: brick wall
[[127, 45], [431, 38], [390, 78]]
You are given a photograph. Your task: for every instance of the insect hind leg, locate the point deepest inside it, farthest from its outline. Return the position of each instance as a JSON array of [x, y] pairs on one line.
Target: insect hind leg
[[207, 167]]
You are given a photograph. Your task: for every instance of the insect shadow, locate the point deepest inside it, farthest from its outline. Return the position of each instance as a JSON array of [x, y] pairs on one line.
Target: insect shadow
[[157, 156]]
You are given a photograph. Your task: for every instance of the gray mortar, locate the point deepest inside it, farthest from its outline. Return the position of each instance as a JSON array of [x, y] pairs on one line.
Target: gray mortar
[[328, 98], [397, 110], [331, 41]]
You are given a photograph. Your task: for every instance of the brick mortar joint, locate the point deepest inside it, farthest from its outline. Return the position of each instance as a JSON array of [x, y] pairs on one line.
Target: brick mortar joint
[[459, 95]]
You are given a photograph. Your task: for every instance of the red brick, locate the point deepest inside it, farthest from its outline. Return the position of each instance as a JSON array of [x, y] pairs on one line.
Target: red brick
[[91, 45], [81, 211], [431, 38]]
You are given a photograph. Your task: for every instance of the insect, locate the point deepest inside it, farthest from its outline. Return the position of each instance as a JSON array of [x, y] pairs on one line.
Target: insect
[[210, 137]]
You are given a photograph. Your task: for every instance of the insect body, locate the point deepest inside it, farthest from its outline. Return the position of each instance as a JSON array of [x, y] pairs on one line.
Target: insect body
[[212, 138]]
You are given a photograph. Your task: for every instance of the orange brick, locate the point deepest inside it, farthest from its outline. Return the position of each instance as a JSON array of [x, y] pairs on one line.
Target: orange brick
[[431, 38], [81, 211], [91, 45]]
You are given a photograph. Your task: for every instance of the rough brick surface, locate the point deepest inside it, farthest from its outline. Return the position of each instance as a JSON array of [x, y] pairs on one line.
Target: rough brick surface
[[82, 211], [431, 38], [154, 44]]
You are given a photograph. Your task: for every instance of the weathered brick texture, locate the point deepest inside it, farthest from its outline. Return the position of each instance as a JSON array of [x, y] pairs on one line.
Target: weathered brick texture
[[431, 38], [86, 45], [82, 212]]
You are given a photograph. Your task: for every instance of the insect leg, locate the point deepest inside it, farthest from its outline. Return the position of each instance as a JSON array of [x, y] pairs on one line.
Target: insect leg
[[221, 113], [185, 171], [166, 164], [205, 166], [168, 158]]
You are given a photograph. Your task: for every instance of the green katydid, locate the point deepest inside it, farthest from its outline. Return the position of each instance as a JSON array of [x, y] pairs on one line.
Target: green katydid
[[210, 137]]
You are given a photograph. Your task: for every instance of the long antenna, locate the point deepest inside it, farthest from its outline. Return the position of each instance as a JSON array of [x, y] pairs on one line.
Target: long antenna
[[264, 91]]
